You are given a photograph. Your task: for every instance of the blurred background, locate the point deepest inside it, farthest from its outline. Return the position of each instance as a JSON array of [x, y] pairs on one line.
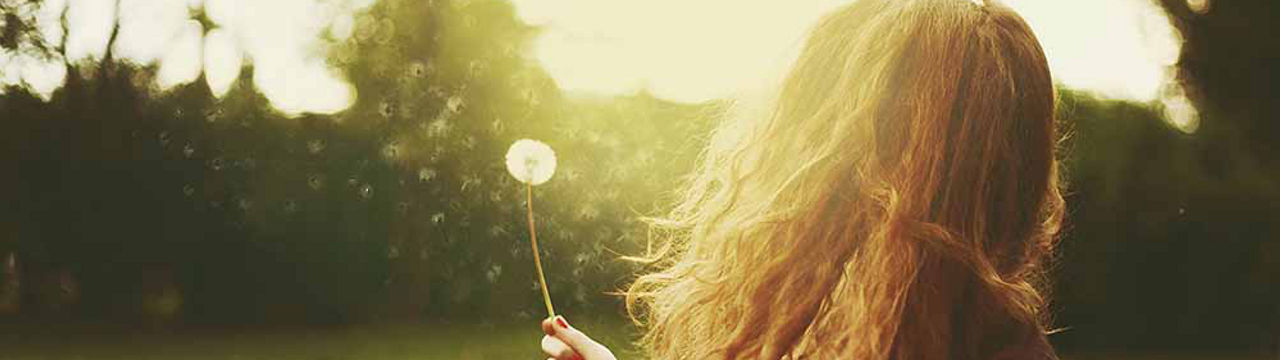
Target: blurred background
[[324, 179]]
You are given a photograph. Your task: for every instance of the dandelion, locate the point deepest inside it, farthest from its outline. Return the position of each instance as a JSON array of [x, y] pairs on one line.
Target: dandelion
[[532, 163]]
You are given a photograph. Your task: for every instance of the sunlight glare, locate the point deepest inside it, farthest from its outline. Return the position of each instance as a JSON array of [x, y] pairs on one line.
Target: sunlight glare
[[24, 68], [89, 24], [181, 62], [147, 28], [282, 39], [693, 51], [222, 61]]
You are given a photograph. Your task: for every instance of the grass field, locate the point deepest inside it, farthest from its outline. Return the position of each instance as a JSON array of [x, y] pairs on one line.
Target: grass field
[[440, 341], [372, 342]]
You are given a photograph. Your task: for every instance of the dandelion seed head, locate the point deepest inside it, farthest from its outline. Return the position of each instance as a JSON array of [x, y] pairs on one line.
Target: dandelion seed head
[[531, 162]]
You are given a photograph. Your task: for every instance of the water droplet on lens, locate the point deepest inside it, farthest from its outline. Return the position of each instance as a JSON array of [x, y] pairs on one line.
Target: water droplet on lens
[[455, 103], [437, 218], [188, 150], [391, 150], [366, 25], [213, 115], [216, 163], [497, 126], [476, 68], [386, 109], [188, 190], [469, 142], [588, 213], [439, 127], [426, 174], [386, 31], [497, 231], [532, 98], [494, 273], [417, 69], [315, 181], [315, 146], [366, 191], [470, 181], [163, 137]]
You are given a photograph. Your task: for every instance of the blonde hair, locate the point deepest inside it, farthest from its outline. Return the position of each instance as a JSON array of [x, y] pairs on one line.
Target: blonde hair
[[895, 202]]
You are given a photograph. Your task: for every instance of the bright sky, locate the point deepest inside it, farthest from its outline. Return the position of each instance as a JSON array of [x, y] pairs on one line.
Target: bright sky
[[696, 50], [279, 37], [681, 50]]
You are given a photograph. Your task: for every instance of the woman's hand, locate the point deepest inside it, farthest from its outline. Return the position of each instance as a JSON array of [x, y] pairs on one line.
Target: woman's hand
[[566, 343]]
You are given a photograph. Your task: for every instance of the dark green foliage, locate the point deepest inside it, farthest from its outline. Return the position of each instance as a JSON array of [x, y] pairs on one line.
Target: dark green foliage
[[398, 208]]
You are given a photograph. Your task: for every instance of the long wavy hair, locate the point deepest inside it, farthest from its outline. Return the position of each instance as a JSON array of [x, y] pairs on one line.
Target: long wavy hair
[[896, 201]]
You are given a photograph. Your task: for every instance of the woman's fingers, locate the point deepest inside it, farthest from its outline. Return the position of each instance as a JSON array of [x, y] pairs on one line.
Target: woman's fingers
[[557, 349], [570, 336], [547, 327], [578, 341], [564, 342]]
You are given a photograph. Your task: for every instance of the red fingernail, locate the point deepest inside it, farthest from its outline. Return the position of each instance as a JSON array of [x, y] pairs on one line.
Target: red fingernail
[[577, 357], [560, 321]]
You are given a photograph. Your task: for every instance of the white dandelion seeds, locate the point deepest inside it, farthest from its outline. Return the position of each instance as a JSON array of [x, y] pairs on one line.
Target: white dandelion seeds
[[531, 162]]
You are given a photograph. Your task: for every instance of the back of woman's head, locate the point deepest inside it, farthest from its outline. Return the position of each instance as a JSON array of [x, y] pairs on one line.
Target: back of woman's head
[[895, 203]]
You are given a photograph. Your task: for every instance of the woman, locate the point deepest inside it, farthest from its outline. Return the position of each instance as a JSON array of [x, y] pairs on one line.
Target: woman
[[895, 204]]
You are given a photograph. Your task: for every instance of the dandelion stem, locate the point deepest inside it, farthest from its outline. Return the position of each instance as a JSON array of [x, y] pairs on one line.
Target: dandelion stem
[[537, 260]]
